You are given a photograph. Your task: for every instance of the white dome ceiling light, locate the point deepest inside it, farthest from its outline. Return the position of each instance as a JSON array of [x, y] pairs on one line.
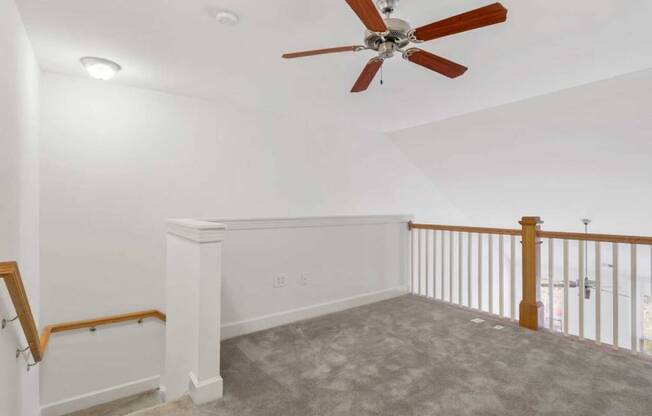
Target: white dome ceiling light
[[227, 18], [100, 68]]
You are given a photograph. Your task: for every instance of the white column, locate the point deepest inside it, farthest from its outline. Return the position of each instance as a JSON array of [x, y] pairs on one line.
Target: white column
[[193, 302]]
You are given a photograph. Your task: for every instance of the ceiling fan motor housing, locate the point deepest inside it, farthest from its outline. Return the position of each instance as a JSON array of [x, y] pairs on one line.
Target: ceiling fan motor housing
[[397, 34]]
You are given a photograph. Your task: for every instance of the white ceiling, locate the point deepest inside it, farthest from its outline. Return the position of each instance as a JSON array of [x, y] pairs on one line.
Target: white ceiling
[[175, 46]]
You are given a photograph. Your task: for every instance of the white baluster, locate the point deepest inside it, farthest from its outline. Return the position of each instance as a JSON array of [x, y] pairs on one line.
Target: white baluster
[[491, 272], [415, 247], [420, 286], [580, 276], [443, 265], [634, 299], [551, 283], [512, 272], [501, 274], [469, 269], [460, 259], [479, 271], [428, 270], [566, 311], [598, 293], [616, 340], [434, 265], [410, 260], [451, 269]]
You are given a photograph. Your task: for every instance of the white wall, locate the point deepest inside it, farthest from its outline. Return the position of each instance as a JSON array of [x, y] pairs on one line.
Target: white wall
[[346, 261], [582, 152], [19, 114], [117, 162]]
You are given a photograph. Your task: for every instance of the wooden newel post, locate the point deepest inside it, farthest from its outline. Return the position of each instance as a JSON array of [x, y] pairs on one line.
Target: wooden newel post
[[531, 307]]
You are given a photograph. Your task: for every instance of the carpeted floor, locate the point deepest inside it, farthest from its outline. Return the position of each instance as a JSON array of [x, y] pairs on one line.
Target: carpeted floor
[[408, 356]]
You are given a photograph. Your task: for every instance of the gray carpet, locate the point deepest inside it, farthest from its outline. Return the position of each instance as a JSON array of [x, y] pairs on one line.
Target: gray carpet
[[408, 356]]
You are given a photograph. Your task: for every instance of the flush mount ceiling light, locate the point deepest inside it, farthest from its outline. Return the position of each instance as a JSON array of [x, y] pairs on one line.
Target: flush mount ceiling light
[[100, 68], [227, 18]]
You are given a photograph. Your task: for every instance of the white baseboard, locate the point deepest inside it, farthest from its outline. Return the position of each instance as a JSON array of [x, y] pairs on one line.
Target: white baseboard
[[206, 391], [99, 397], [248, 326]]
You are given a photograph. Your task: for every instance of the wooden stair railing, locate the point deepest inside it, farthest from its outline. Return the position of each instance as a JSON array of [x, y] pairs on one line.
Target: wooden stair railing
[[10, 273], [93, 323], [531, 239]]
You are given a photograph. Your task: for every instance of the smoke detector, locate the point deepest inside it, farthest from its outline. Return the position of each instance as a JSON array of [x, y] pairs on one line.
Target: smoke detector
[[227, 18]]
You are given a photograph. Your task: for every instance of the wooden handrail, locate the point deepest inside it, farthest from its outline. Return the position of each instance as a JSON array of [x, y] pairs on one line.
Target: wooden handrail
[[458, 228], [92, 323], [531, 308], [11, 275], [608, 238]]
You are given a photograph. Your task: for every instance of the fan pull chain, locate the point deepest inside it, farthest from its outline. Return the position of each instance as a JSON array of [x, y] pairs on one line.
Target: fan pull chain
[[381, 75]]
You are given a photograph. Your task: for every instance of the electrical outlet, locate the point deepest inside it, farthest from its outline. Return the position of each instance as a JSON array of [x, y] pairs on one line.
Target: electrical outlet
[[303, 280], [280, 280]]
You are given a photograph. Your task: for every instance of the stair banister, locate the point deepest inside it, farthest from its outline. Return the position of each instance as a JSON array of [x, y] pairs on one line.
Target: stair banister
[[10, 273]]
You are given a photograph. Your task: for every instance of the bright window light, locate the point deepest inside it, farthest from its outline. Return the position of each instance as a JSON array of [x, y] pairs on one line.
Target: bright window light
[[100, 68]]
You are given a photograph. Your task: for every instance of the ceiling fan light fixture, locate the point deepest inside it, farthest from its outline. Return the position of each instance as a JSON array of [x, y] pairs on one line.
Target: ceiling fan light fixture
[[100, 68], [387, 7]]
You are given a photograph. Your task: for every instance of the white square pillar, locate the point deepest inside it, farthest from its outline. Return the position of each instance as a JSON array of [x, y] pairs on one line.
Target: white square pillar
[[192, 303]]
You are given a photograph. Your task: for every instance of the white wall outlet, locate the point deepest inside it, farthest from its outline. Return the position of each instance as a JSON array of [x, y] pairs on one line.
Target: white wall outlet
[[303, 280], [280, 280]]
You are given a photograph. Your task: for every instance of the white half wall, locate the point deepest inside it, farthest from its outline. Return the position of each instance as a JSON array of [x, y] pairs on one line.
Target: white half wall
[[329, 264], [579, 153], [19, 240], [118, 161], [193, 310]]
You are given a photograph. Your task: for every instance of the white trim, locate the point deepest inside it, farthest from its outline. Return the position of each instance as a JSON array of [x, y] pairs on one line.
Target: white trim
[[197, 230], [202, 392], [234, 329], [263, 223], [99, 397]]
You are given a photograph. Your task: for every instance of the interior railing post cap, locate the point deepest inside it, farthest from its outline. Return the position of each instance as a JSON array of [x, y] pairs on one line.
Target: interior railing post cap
[[530, 221]]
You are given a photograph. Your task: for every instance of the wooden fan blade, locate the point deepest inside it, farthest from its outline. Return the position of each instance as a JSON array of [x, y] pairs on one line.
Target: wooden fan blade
[[353, 48], [435, 63], [367, 75], [484, 16], [369, 14]]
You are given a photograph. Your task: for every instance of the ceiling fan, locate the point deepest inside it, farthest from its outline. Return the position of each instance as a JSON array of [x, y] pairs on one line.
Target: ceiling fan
[[390, 35]]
